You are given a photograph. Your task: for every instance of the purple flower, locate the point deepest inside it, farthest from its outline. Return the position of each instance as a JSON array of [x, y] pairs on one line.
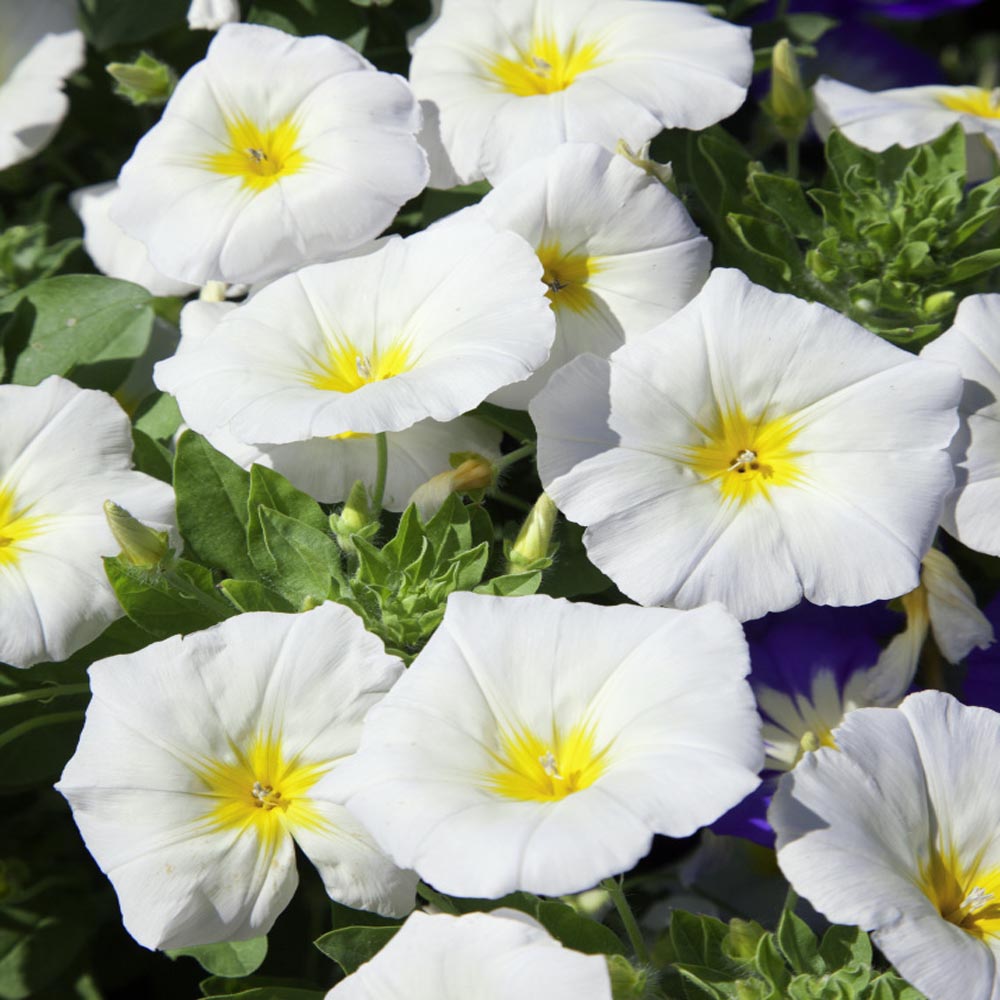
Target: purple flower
[[807, 666]]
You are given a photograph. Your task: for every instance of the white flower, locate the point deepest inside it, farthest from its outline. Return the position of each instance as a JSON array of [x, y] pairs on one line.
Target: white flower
[[486, 956], [897, 832], [425, 327], [768, 449], [210, 15], [326, 468], [40, 47], [620, 253], [273, 151], [537, 744], [909, 116], [973, 343], [194, 777], [942, 604], [511, 79], [64, 451], [112, 251]]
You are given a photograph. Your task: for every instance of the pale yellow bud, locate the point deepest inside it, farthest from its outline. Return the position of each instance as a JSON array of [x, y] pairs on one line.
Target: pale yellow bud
[[535, 537], [140, 545], [789, 102]]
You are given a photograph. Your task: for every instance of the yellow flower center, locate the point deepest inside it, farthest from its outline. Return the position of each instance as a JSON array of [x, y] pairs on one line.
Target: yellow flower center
[[258, 786], [970, 899], [974, 101], [15, 527], [567, 276], [259, 156], [544, 67], [746, 457], [532, 769], [347, 368]]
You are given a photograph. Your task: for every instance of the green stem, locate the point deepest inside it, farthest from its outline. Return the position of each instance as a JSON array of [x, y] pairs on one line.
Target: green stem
[[792, 158], [38, 722], [382, 466], [617, 894], [511, 501], [515, 456], [429, 895], [43, 693]]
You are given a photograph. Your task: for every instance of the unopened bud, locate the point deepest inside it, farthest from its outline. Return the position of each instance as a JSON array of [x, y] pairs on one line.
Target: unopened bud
[[145, 81], [627, 982], [356, 513], [141, 545], [939, 302], [742, 940], [535, 537], [789, 103], [663, 172], [471, 472]]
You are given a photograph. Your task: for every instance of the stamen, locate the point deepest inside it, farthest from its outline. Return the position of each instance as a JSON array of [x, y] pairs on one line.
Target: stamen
[[257, 155], [977, 899], [550, 765], [364, 368], [541, 66], [264, 796], [745, 457], [555, 285]]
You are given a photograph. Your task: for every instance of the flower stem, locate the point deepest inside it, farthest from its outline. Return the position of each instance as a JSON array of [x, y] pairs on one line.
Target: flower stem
[[511, 501], [617, 894], [515, 456], [382, 453], [38, 722], [43, 693], [792, 158]]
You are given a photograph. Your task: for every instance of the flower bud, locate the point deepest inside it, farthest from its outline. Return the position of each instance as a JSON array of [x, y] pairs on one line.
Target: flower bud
[[627, 982], [535, 537], [145, 81], [472, 472], [141, 545], [789, 103]]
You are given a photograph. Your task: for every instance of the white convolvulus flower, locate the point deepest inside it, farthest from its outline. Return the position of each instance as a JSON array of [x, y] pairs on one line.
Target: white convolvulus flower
[[113, 252], [973, 343], [909, 116], [897, 832], [273, 151], [620, 253], [64, 451], [489, 956], [507, 80], [326, 468], [420, 328], [194, 777], [210, 15], [537, 744], [768, 449], [944, 605], [40, 46]]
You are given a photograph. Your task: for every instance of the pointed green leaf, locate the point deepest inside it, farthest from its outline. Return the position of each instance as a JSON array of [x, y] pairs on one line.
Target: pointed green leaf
[[249, 595], [351, 947], [306, 560], [798, 944], [212, 494], [578, 932], [270, 489], [228, 959]]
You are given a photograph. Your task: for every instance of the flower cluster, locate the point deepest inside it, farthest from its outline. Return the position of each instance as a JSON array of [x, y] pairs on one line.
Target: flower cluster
[[428, 480]]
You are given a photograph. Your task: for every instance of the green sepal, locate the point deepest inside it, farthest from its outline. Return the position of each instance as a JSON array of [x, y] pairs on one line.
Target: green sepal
[[228, 959]]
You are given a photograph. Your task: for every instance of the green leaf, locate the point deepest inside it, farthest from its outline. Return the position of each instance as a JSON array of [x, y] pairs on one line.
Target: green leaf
[[249, 595], [212, 495], [578, 932], [160, 606], [784, 200], [969, 267], [351, 947], [151, 457], [771, 965], [408, 542], [227, 958], [798, 944], [271, 489], [516, 423], [843, 945], [808, 27], [307, 560], [697, 939], [124, 22], [80, 319], [270, 993], [37, 945], [158, 416]]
